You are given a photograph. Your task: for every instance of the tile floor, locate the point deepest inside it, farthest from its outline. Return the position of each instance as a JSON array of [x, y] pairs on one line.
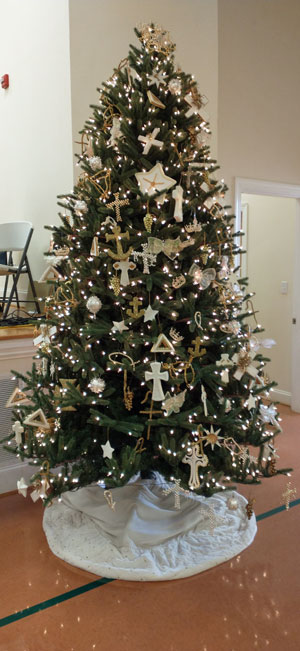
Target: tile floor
[[251, 602]]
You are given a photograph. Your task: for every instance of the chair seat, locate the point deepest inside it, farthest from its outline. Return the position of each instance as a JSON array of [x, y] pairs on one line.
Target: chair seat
[[8, 269]]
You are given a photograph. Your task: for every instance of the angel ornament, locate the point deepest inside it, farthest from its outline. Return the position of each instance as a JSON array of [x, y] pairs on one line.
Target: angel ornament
[[173, 403], [202, 278]]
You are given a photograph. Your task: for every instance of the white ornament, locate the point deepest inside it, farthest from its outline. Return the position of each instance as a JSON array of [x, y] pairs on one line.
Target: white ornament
[[22, 487], [177, 194], [148, 257], [157, 376], [95, 163], [94, 304], [154, 181], [37, 419], [232, 503], [203, 400], [195, 459], [171, 248], [173, 403], [214, 519], [174, 86], [107, 450], [227, 363], [195, 108], [268, 343], [150, 314], [97, 385], [157, 78], [194, 227], [150, 140], [46, 333], [269, 415], [115, 132], [40, 490], [119, 326], [251, 402], [18, 430], [243, 359], [203, 278], [124, 266], [162, 345], [80, 208], [176, 489], [197, 319]]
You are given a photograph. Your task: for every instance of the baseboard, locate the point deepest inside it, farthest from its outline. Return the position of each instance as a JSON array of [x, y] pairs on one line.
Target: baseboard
[[278, 395], [10, 475]]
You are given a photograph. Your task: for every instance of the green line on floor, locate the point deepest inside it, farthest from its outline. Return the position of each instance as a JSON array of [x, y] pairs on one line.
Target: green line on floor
[[52, 602], [278, 509], [96, 584]]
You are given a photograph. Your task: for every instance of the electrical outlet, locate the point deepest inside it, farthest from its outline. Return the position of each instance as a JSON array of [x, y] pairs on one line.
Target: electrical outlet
[[284, 287]]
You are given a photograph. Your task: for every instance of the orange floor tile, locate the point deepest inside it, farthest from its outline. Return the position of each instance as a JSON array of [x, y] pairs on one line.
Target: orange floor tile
[[249, 603]]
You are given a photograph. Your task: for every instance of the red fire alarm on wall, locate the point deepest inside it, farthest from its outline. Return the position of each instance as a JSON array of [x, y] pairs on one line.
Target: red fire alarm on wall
[[5, 81]]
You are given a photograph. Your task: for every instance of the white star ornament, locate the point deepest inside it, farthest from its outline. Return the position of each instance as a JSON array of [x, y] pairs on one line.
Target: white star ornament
[[155, 181]]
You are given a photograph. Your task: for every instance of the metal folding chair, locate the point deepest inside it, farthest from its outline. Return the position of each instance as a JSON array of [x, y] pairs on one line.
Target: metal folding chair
[[15, 236]]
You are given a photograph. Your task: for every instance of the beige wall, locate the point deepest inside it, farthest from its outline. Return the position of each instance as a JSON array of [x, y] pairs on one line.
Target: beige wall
[[101, 31], [259, 89], [35, 116], [270, 259]]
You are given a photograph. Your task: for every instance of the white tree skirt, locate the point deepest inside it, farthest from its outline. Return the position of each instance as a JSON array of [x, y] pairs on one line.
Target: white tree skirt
[[145, 538]]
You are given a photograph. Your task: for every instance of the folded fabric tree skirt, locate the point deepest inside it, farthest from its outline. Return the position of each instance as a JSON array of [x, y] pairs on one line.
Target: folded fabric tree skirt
[[145, 538]]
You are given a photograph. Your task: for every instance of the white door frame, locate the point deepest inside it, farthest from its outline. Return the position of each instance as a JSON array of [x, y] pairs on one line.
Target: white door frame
[[273, 189]]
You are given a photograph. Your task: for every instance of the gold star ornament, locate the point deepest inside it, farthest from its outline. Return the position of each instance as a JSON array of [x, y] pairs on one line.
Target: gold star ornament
[[156, 39]]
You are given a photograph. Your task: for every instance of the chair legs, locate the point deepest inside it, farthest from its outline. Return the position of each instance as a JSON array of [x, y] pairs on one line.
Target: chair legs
[[23, 268], [37, 305]]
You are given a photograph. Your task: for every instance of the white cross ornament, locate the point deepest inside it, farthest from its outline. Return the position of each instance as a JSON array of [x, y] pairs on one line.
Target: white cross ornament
[[177, 194], [157, 376], [18, 430], [195, 459], [176, 489], [195, 108], [124, 266], [150, 140], [149, 258]]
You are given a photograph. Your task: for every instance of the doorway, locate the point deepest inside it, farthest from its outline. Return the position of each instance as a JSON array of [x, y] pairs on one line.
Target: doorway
[[269, 215]]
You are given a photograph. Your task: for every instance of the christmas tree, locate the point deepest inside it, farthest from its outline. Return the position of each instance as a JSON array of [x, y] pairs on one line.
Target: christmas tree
[[147, 360]]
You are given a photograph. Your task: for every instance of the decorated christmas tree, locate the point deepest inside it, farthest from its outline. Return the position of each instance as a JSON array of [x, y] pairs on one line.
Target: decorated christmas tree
[[148, 355]]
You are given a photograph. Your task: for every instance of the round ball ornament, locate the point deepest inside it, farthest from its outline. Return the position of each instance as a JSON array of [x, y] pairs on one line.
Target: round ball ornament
[[97, 385], [95, 163], [94, 304], [175, 86], [232, 503], [80, 207]]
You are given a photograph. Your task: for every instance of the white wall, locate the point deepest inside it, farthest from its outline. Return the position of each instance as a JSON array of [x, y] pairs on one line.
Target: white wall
[[101, 31], [270, 259], [35, 115], [259, 90]]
